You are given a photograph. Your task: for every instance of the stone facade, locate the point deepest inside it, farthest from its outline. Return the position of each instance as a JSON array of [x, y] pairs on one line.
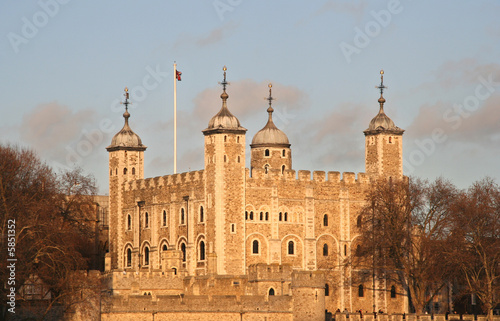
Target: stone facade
[[269, 241]]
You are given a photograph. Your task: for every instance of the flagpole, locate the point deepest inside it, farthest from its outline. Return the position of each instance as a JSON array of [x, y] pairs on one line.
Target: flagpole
[[175, 118]]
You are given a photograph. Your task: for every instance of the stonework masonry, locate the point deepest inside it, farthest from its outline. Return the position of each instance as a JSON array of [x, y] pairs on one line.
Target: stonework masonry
[[232, 243]]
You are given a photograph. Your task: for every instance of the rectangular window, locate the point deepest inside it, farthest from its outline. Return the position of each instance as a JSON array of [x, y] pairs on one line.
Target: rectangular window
[[233, 228]]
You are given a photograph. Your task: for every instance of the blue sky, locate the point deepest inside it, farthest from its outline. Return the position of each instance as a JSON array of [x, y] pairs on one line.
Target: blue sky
[[65, 63]]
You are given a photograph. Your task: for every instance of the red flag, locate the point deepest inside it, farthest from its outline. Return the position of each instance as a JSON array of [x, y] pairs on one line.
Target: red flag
[[178, 75]]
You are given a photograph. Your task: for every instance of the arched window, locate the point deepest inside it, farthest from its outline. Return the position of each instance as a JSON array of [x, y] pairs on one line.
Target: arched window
[[266, 168], [129, 222], [325, 220], [133, 170], [271, 291], [202, 218], [286, 216], [393, 291], [125, 171], [164, 218], [280, 218], [325, 249], [183, 250], [327, 289], [261, 216], [251, 215], [246, 215], [146, 220], [291, 249], [358, 221], [129, 257], [267, 216], [266, 153], [358, 250], [283, 169], [165, 248], [182, 216], [361, 291], [283, 153], [255, 247], [146, 256], [202, 251]]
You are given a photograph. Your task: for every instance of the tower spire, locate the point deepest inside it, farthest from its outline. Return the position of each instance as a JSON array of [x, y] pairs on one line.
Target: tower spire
[[126, 114], [381, 87], [224, 83]]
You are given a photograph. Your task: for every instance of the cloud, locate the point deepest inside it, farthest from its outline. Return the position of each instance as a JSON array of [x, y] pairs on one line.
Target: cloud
[[247, 97], [50, 126], [215, 36]]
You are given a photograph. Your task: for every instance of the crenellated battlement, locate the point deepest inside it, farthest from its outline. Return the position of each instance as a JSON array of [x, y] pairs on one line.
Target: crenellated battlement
[[305, 176], [185, 178]]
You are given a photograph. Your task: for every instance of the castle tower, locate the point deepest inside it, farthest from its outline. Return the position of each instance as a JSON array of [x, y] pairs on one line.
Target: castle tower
[[126, 163], [225, 189], [383, 143], [270, 146]]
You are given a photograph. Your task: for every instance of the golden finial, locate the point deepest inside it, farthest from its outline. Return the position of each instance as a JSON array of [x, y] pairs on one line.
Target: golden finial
[[126, 102], [270, 98]]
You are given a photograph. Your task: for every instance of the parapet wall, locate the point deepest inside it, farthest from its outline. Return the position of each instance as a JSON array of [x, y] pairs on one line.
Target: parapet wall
[[305, 175], [167, 180]]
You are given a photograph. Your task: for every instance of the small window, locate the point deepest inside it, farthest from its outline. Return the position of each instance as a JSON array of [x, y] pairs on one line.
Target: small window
[[116, 171], [361, 291], [133, 170], [325, 220], [266, 168], [165, 248], [291, 249], [325, 249], [345, 249], [358, 251], [246, 215], [280, 216], [327, 289], [238, 140], [129, 257], [183, 219], [164, 223], [225, 138], [225, 159], [146, 220], [129, 222], [283, 153], [239, 159], [266, 153], [390, 140], [286, 216], [110, 172], [271, 291], [267, 216], [202, 251], [146, 256], [202, 218], [283, 169], [255, 247], [251, 215], [125, 171], [358, 221], [261, 216], [393, 291], [233, 228], [183, 250]]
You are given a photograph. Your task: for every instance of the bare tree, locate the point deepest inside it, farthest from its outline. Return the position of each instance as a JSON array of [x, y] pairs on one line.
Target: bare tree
[[405, 225], [476, 240], [54, 222]]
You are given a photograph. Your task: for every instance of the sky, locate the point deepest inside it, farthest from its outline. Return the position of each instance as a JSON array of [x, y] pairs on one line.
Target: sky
[[65, 63]]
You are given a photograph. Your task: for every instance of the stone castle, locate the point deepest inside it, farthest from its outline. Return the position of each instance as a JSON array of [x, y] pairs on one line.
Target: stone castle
[[236, 243]]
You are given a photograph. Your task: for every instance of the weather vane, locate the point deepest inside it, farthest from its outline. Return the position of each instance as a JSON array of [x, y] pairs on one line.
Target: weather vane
[[381, 87], [224, 83], [126, 102], [270, 98]]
